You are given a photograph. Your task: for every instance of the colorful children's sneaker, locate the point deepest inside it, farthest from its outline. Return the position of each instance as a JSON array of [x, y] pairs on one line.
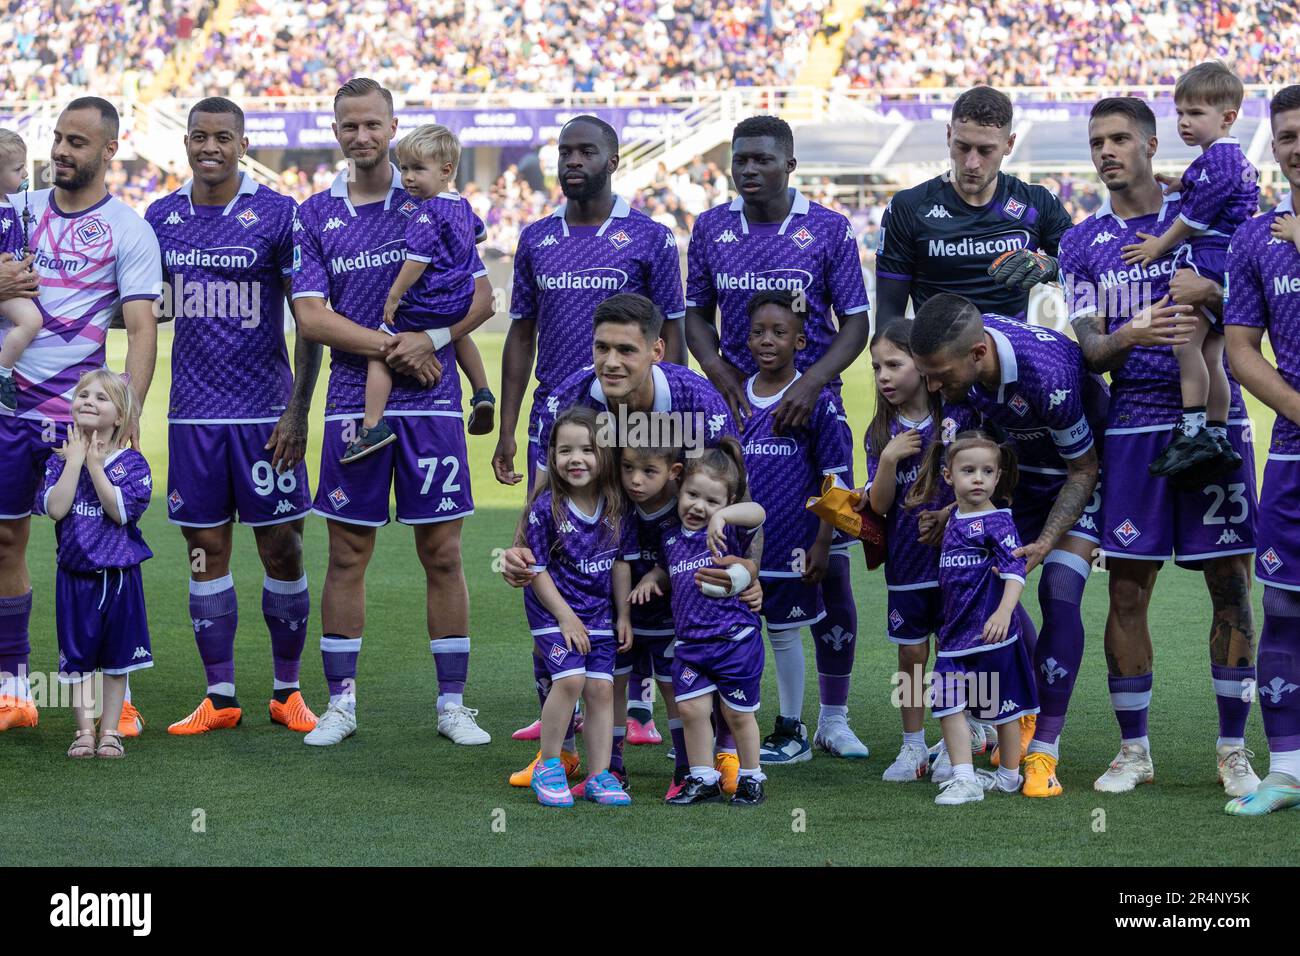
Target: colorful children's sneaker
[[674, 788], [606, 790], [550, 785], [728, 765], [580, 790], [482, 407], [639, 734], [524, 778], [368, 442]]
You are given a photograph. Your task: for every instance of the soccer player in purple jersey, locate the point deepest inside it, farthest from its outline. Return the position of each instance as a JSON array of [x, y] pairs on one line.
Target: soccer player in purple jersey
[[92, 252], [718, 651], [785, 469], [1263, 295], [1219, 191], [1126, 318], [593, 246], [237, 417], [590, 248], [982, 664], [348, 252], [908, 418], [97, 488], [1033, 384], [773, 237]]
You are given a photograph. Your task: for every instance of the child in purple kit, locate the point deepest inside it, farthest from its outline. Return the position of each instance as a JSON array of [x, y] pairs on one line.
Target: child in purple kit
[[909, 420], [24, 316], [982, 665], [435, 287], [1217, 193], [96, 488], [577, 605], [719, 645]]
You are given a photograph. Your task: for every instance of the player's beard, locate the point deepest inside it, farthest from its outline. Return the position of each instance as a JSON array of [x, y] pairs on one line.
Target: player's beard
[[370, 162], [80, 178], [591, 187], [967, 188]]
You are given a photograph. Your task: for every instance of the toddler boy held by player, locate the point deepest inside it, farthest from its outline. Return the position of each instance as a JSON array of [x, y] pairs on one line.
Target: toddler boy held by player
[[22, 313], [1219, 191], [435, 287]]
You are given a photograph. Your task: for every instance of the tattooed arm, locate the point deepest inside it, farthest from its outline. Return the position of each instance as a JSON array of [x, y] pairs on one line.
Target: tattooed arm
[[1160, 324]]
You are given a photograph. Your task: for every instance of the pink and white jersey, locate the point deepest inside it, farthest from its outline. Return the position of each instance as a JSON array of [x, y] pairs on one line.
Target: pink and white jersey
[[88, 262]]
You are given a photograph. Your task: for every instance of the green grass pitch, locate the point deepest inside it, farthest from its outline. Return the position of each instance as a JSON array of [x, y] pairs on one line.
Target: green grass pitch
[[398, 794]]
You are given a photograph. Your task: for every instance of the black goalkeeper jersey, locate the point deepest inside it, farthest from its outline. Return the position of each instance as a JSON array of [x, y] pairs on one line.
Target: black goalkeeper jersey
[[931, 237]]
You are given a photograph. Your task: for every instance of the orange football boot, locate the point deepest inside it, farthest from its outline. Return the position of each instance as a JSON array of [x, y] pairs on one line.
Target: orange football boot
[[17, 713], [206, 717], [524, 778], [293, 713], [130, 723]]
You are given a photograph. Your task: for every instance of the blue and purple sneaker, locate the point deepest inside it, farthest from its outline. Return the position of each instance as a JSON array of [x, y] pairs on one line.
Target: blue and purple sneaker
[[551, 784]]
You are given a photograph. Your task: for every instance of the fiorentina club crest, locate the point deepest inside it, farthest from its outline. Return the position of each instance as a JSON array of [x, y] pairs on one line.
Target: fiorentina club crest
[[247, 218], [975, 528], [895, 619], [1271, 561], [1127, 532], [407, 208], [802, 237], [1019, 405], [118, 471], [620, 239], [174, 501], [91, 231], [557, 652], [338, 499], [1014, 209], [688, 676]]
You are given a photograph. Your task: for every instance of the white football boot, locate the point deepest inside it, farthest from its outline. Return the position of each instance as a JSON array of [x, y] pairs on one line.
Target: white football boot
[[335, 725], [1131, 766]]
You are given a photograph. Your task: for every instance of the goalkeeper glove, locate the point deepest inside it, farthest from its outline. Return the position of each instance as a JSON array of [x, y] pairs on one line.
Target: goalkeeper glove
[[1023, 269]]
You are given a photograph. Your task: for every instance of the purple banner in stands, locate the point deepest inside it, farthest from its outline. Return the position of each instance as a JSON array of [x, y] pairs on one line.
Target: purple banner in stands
[[1046, 112], [497, 127]]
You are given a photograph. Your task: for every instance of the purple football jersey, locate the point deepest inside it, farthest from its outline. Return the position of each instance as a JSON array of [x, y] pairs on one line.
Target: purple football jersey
[[695, 616], [1040, 402], [685, 404], [786, 470], [909, 564], [442, 235], [975, 561], [656, 615], [1220, 190], [1144, 390], [224, 267], [813, 251], [579, 556], [89, 540], [1262, 290], [351, 255], [563, 272], [11, 231]]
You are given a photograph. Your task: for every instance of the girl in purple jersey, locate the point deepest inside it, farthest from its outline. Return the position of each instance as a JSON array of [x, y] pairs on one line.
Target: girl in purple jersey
[[909, 418], [982, 665], [577, 605], [96, 488], [719, 646]]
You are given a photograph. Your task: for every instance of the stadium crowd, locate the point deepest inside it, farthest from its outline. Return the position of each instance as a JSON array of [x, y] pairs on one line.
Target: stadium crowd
[[940, 43], [557, 47]]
